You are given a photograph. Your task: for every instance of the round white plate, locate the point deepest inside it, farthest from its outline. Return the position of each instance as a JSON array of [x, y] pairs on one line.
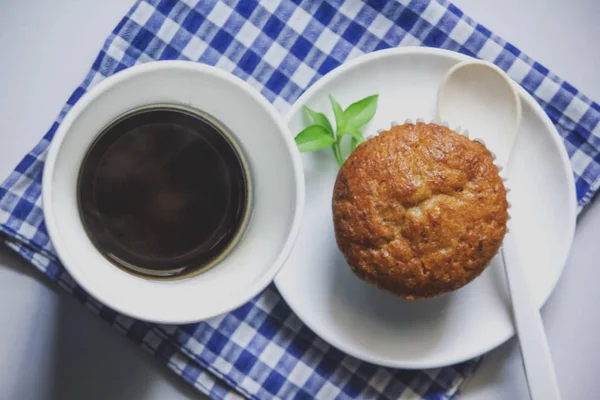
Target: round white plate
[[384, 329]]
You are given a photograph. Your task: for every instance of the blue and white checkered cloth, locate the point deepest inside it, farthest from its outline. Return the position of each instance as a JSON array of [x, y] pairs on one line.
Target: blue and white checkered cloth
[[262, 350]]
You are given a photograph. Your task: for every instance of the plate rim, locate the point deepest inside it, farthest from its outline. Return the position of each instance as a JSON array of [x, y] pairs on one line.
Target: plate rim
[[565, 162]]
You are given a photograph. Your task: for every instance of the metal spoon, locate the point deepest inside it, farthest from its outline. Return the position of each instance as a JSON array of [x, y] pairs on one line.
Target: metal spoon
[[480, 96]]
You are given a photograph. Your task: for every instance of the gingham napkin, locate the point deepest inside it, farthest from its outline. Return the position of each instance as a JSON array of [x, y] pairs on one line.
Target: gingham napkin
[[262, 350]]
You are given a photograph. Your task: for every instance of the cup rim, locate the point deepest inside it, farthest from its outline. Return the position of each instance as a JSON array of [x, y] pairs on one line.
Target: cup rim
[[88, 100]]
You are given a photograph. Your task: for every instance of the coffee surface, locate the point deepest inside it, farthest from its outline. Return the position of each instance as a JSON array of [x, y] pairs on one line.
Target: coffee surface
[[163, 192]]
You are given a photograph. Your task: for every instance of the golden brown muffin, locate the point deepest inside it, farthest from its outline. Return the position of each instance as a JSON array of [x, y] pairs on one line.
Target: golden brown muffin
[[419, 210]]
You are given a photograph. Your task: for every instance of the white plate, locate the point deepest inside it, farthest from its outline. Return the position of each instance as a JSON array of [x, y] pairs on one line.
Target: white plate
[[376, 326]]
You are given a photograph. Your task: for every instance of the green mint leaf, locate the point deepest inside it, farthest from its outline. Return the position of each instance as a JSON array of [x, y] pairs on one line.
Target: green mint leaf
[[361, 112], [340, 119], [322, 135], [314, 138], [320, 119]]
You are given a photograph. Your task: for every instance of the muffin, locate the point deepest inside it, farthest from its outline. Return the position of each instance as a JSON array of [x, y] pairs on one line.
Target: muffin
[[419, 210]]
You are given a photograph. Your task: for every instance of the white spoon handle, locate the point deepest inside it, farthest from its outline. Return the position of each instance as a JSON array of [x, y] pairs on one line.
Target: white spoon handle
[[532, 337]]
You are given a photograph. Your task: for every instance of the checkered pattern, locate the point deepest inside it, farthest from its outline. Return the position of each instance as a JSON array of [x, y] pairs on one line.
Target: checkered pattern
[[262, 350]]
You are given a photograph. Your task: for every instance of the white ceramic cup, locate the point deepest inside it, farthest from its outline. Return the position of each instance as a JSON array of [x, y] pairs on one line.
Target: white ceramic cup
[[277, 185]]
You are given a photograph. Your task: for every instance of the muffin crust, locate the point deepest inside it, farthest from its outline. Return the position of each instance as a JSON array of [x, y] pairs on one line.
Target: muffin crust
[[419, 210]]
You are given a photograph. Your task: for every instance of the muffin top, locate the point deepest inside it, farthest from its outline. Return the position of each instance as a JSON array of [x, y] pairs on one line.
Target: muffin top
[[419, 210]]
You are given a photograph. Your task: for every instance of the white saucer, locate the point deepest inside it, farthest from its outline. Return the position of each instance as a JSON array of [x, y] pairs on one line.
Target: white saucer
[[276, 182], [376, 326]]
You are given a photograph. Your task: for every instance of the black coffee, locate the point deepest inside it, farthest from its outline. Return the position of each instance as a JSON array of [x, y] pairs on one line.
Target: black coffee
[[163, 192]]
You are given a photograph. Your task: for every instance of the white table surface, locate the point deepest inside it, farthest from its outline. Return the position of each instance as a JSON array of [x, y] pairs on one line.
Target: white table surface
[[51, 347]]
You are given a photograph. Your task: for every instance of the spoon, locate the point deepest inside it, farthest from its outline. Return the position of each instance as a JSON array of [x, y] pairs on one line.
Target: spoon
[[480, 96]]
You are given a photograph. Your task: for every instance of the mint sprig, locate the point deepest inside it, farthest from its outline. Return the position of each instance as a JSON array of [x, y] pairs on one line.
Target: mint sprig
[[321, 134]]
